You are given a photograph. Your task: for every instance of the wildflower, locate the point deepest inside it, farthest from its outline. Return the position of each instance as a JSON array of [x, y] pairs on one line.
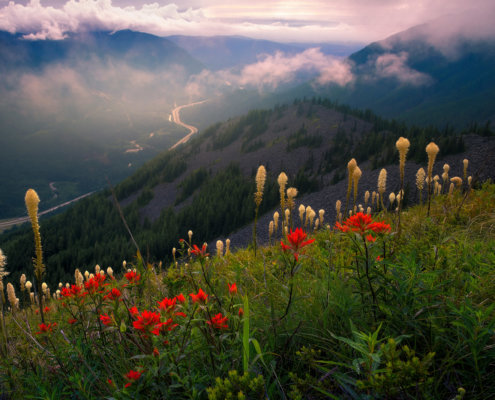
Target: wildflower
[[23, 282], [110, 272], [11, 295], [133, 311], [301, 210], [200, 252], [181, 298], [403, 147], [338, 205], [32, 200], [380, 227], [219, 248], [113, 294], [190, 234], [180, 314], [356, 176], [105, 319], [72, 321], [148, 321], [382, 181], [218, 322], [465, 163], [43, 328], [132, 376], [233, 289], [351, 166], [420, 179], [28, 285], [379, 258], [201, 296], [240, 312], [260, 183], [276, 215], [296, 240], [132, 277], [370, 238], [167, 304], [156, 353]]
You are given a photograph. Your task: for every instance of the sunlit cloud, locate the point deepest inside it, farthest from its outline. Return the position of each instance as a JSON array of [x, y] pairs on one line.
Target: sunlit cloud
[[296, 20]]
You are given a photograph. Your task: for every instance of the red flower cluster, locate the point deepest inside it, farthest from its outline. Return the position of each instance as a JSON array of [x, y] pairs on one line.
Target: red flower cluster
[[218, 322], [149, 321], [132, 277], [362, 224], [296, 241], [94, 283], [46, 328], [113, 294], [132, 376], [199, 252], [232, 289], [199, 297], [105, 319], [167, 304], [73, 291]]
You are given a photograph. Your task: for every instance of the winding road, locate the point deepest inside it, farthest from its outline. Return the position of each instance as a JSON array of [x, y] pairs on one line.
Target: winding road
[[176, 119]]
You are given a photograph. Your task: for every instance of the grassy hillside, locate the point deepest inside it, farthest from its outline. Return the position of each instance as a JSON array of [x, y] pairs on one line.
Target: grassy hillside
[[358, 310]]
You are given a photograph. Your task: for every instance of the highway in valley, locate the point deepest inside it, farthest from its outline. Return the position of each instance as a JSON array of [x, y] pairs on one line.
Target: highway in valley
[[176, 119], [9, 223]]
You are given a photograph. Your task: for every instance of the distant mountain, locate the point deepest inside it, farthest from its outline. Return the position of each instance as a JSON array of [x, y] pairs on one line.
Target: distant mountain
[[76, 110], [414, 78], [221, 52], [207, 184]]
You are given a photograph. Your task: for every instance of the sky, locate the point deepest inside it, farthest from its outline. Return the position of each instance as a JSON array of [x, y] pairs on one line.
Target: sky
[[314, 21]]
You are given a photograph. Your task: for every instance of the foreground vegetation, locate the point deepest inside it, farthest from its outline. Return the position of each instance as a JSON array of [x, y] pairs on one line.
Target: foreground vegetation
[[391, 303]]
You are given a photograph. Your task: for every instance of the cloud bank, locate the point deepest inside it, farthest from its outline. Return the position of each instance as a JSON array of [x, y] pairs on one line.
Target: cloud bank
[[298, 20], [271, 71]]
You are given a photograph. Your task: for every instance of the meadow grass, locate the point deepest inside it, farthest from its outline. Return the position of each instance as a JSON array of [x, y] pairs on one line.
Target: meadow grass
[[351, 310]]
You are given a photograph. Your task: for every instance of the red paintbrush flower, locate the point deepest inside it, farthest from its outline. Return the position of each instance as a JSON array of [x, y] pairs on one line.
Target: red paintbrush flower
[[218, 322], [167, 304], [46, 328], [148, 321], [132, 277], [181, 298], [199, 252], [105, 319], [200, 296], [232, 289], [113, 294], [296, 241], [132, 376]]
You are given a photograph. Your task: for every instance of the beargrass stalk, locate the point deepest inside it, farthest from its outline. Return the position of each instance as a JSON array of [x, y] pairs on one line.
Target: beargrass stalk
[[403, 147], [3, 273], [420, 183], [356, 176], [258, 197], [382, 184], [432, 150], [282, 182], [32, 200], [351, 166]]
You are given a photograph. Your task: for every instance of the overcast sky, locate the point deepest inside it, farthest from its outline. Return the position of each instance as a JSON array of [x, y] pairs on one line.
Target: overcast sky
[[288, 21]]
